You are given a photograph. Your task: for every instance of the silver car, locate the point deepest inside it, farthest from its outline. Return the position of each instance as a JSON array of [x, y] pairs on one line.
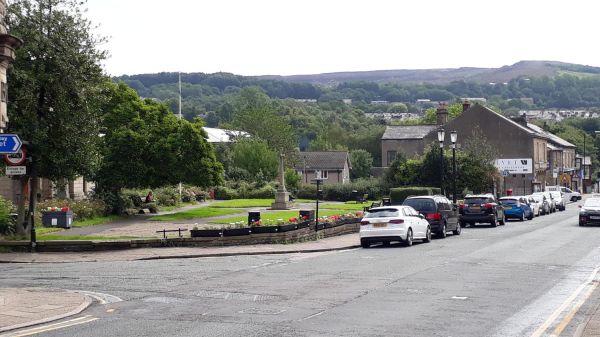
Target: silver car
[[560, 200], [550, 199]]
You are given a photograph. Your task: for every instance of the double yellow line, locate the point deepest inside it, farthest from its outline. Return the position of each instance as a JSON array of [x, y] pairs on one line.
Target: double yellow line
[[51, 327]]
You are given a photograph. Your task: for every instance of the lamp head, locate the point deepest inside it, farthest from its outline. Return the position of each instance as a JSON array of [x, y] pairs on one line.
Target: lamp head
[[453, 136], [441, 135]]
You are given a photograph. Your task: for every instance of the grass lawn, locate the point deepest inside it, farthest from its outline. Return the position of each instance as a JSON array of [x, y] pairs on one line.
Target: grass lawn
[[285, 215], [183, 204], [46, 230], [201, 212], [245, 203], [347, 207]]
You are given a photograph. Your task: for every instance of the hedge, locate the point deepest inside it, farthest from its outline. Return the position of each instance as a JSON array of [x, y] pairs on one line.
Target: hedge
[[398, 195], [375, 188]]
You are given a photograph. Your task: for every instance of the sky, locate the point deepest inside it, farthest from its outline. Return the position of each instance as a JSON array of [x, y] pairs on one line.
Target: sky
[[289, 37]]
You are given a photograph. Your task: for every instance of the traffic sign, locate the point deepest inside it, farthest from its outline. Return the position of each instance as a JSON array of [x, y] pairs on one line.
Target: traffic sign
[[10, 143], [16, 170], [531, 178], [505, 173], [15, 158]]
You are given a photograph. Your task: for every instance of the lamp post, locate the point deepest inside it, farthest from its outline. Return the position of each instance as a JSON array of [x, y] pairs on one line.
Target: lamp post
[[441, 136], [453, 139]]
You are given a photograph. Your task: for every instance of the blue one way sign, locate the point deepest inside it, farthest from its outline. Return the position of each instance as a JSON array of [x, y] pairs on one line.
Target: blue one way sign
[[10, 143]]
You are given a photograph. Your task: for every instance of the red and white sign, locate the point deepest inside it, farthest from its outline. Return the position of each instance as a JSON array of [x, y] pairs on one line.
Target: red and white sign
[[16, 159]]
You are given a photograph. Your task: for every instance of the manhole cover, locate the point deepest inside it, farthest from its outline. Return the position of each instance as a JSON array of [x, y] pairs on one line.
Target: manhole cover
[[262, 311], [232, 296]]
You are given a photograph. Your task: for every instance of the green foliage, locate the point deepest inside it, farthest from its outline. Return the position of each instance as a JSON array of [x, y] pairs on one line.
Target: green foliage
[[375, 188], [254, 156], [361, 163], [398, 195], [292, 179], [225, 193], [7, 222], [392, 176], [82, 209]]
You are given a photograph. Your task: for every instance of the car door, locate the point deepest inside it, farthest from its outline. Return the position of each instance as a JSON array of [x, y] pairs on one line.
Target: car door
[[526, 206], [452, 217], [422, 223], [417, 223], [535, 207], [409, 219]]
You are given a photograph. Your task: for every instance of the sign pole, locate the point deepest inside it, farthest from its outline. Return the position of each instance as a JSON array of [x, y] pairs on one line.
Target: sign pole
[[317, 211]]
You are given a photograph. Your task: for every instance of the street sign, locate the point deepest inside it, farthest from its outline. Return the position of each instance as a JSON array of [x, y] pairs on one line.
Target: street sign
[[16, 170], [505, 173], [531, 178], [10, 143], [316, 181], [15, 159]]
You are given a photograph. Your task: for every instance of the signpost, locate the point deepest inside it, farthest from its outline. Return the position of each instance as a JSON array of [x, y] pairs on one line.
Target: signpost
[[10, 143], [318, 183], [16, 158]]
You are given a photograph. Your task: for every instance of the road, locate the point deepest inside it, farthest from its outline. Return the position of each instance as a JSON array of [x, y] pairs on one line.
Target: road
[[521, 279]]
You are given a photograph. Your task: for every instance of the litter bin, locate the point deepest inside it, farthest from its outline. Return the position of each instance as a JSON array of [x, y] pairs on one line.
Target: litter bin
[[355, 195], [58, 219], [253, 217], [386, 202], [509, 192]]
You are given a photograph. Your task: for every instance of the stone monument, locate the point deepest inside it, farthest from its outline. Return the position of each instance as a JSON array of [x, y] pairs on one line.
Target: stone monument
[[8, 46], [282, 196]]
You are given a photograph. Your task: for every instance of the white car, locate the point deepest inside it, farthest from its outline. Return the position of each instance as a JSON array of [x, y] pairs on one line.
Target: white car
[[567, 193], [561, 204], [399, 223]]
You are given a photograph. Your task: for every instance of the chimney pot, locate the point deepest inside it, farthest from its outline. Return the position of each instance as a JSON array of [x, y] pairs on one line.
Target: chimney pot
[[466, 105]]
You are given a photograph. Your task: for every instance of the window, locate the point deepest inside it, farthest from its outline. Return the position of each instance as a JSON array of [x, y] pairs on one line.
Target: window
[[299, 173], [321, 174], [391, 155]]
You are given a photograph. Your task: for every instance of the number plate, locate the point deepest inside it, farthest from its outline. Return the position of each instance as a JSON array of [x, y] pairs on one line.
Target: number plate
[[379, 225], [595, 217], [507, 207], [474, 207]]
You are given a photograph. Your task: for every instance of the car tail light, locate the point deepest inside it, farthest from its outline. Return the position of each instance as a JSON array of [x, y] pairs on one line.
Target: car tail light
[[519, 204], [461, 205], [488, 205], [434, 216], [397, 221], [364, 223]]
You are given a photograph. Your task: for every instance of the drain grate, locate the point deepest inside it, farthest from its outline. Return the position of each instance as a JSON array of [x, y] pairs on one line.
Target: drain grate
[[262, 311], [232, 296]]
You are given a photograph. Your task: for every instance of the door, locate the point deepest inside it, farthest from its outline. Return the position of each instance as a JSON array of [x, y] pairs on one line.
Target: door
[[452, 216], [409, 219], [415, 222], [422, 224]]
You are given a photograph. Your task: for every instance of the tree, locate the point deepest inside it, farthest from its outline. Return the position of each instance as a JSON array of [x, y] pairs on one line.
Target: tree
[[145, 145], [398, 108], [361, 163], [390, 175], [56, 89], [254, 156]]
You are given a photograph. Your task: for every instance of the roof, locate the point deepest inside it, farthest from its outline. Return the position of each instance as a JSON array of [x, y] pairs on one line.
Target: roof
[[221, 135], [553, 148], [552, 137], [408, 131], [323, 160]]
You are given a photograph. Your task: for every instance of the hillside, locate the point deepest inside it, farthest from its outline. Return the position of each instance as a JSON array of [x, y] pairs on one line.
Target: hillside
[[440, 76]]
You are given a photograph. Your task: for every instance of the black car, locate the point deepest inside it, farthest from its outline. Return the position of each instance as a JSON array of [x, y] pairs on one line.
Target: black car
[[483, 208], [438, 211]]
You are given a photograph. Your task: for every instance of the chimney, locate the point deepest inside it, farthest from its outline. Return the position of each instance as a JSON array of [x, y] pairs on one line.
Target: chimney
[[442, 114], [522, 120], [466, 105], [546, 128]]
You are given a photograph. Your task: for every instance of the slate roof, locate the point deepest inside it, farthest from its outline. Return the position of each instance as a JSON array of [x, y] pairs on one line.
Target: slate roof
[[323, 160], [408, 131], [552, 137]]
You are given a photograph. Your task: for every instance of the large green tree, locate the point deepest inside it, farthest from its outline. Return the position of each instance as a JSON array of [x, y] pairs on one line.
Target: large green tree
[[55, 88], [361, 163]]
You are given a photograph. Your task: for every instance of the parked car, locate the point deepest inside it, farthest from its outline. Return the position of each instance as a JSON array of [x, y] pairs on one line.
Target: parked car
[[561, 203], [544, 205], [590, 212], [550, 199], [516, 208], [438, 211], [483, 208], [568, 194], [388, 224], [535, 207]]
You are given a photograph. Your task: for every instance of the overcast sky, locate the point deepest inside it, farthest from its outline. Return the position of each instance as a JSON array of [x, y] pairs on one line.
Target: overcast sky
[[286, 37]]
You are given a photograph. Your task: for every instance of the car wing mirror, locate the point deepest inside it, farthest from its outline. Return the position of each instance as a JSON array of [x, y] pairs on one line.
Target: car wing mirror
[[579, 206], [421, 216]]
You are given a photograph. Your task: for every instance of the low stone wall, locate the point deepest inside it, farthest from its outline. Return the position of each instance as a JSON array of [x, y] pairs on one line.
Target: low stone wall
[[253, 239]]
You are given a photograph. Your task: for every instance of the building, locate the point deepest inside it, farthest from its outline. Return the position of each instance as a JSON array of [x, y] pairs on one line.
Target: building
[[222, 136], [331, 166], [537, 151]]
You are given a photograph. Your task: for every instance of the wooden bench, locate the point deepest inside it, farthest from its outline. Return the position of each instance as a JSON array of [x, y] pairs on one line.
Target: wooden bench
[[363, 199], [201, 197]]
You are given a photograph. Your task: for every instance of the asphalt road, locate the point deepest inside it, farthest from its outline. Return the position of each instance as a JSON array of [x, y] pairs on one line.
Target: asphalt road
[[503, 281]]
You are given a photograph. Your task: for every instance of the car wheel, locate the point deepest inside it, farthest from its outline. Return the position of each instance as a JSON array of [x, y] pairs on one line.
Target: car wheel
[[503, 221], [522, 218], [471, 224], [494, 222], [443, 233], [427, 236], [365, 244], [539, 212], [573, 199], [457, 230], [409, 238], [386, 243], [581, 223], [530, 217]]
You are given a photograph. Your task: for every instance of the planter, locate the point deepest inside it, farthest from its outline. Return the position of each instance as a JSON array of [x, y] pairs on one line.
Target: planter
[[353, 220], [319, 227], [329, 225], [265, 229], [287, 228], [237, 231], [206, 233], [304, 224], [57, 219]]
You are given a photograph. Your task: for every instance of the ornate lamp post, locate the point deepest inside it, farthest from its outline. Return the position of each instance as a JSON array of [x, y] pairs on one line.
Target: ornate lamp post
[[454, 138], [441, 136]]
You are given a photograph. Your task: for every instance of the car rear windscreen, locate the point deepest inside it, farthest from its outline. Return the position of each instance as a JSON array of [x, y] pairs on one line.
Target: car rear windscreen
[[382, 213], [478, 201], [421, 205], [509, 201]]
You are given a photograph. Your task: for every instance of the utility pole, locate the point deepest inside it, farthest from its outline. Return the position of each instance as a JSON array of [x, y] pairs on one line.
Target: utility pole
[[180, 117]]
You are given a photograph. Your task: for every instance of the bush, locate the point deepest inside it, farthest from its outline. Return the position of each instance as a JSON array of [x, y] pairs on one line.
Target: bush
[[225, 193], [82, 209], [374, 187], [306, 192], [265, 192], [167, 196], [398, 195], [7, 222]]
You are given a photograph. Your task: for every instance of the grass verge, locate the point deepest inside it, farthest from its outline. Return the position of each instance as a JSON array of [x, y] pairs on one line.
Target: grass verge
[[183, 204], [285, 215], [97, 221], [202, 212], [246, 203]]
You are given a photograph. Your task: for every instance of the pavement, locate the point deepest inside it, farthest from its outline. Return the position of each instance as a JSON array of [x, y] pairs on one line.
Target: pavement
[[327, 244], [25, 307]]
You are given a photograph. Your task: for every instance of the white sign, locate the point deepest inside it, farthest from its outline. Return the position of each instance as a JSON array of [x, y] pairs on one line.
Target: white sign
[[16, 170], [515, 166]]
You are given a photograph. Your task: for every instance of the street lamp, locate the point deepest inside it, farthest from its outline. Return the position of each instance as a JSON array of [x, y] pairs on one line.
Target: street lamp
[[453, 139], [441, 136]]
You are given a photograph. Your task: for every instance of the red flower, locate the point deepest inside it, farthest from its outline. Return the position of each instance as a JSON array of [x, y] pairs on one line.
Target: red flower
[[304, 217], [257, 223], [64, 209]]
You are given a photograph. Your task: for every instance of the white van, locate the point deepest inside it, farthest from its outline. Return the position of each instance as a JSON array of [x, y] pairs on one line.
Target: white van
[[568, 195]]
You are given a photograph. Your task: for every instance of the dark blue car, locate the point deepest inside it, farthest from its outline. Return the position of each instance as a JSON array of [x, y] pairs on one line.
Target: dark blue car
[[516, 208]]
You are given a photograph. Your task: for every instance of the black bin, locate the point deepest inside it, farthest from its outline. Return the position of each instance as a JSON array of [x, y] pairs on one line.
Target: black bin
[[355, 195], [386, 202], [253, 217], [58, 219]]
